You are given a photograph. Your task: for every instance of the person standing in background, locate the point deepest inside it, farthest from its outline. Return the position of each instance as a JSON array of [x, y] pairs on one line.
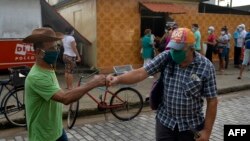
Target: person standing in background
[[70, 56], [222, 45], [239, 44], [165, 39], [246, 54], [197, 34], [227, 48], [235, 36], [211, 41], [147, 47]]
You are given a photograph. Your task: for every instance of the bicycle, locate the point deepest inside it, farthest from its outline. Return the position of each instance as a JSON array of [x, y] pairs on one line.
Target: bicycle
[[125, 104], [12, 104]]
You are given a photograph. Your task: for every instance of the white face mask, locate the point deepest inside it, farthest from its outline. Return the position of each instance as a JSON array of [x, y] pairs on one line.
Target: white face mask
[[222, 32], [209, 31]]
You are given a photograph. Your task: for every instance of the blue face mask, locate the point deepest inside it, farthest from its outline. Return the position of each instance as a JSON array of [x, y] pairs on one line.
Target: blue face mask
[[50, 57]]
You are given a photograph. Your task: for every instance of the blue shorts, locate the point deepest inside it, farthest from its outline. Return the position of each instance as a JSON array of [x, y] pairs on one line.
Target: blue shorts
[[222, 51]]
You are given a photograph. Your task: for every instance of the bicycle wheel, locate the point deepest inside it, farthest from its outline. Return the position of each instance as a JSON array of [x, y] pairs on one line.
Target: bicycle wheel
[[14, 108], [127, 103], [72, 114]]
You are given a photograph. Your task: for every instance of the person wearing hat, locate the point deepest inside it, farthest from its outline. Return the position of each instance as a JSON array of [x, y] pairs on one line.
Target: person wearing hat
[[197, 35], [43, 95], [188, 78]]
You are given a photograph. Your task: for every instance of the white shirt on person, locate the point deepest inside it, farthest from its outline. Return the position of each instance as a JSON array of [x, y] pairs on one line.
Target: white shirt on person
[[67, 41], [241, 38]]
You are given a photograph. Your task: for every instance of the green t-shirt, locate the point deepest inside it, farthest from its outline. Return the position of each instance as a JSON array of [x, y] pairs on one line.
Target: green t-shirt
[[44, 115], [197, 36]]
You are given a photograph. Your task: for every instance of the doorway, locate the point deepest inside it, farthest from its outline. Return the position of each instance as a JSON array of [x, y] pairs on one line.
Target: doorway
[[156, 21]]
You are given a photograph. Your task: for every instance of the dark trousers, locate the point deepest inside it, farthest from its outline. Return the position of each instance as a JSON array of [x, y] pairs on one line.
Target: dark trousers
[[237, 54], [63, 137], [166, 134], [209, 53], [227, 57]]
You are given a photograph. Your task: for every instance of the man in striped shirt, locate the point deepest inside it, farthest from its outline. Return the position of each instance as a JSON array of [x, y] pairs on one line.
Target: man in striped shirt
[[189, 78]]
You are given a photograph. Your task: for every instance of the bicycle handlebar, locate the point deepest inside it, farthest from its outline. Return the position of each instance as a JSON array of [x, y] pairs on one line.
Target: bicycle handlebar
[[90, 75]]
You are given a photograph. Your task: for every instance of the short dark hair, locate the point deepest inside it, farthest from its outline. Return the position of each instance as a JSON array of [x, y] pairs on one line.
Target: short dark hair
[[224, 29], [147, 31], [195, 25], [68, 30]]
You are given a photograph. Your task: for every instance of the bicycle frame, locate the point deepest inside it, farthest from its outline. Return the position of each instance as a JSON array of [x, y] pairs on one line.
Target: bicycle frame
[[107, 91], [104, 100]]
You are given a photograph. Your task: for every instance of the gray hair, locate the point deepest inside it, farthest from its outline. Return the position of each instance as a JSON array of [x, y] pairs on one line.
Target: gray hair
[[211, 28]]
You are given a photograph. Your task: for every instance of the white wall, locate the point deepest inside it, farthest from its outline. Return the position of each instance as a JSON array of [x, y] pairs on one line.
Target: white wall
[[19, 17], [82, 15]]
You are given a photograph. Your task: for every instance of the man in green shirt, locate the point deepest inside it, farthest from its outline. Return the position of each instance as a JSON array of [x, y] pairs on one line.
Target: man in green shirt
[[43, 95]]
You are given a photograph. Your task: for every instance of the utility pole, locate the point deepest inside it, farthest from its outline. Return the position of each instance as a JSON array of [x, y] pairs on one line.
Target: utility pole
[[231, 3]]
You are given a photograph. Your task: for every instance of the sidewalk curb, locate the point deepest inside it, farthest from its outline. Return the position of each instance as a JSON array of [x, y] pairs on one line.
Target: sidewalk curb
[[234, 89]]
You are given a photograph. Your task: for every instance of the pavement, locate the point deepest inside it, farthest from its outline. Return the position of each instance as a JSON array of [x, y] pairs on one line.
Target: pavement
[[101, 131], [233, 109]]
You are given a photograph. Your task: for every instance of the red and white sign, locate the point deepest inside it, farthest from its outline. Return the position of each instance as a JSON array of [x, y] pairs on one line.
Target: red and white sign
[[15, 53]]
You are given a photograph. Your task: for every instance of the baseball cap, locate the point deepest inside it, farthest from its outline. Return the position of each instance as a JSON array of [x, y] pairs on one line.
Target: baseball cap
[[180, 37]]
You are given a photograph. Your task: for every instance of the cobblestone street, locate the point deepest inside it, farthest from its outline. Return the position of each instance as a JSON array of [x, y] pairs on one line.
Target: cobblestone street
[[233, 109]]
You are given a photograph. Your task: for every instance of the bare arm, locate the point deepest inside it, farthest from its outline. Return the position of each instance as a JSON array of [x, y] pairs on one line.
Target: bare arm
[[75, 94], [210, 113], [209, 119], [128, 78]]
